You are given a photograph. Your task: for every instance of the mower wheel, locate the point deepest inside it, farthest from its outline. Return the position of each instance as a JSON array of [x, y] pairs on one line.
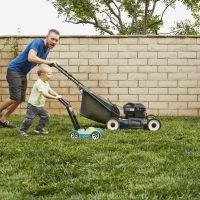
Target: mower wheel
[[74, 134], [112, 124], [154, 124], [95, 135]]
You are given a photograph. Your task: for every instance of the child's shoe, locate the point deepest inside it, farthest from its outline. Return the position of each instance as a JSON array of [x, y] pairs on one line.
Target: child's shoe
[[41, 131], [23, 133]]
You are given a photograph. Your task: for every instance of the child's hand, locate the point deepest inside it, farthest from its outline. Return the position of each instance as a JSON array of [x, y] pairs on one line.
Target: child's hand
[[58, 96]]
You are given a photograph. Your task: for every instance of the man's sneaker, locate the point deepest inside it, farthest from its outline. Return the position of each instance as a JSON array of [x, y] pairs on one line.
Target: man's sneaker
[[41, 131], [23, 133], [6, 125]]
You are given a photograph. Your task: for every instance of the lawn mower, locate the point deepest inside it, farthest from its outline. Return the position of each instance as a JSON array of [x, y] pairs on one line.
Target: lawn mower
[[102, 110], [90, 132]]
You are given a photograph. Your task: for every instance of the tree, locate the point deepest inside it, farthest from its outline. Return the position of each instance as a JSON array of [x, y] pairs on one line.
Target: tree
[[125, 17], [187, 27]]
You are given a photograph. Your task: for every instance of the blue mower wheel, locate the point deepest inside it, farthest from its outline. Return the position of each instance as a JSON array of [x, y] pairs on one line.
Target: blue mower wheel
[[95, 135], [74, 134]]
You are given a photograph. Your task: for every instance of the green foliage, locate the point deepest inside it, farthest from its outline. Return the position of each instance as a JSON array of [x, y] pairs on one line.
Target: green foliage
[[187, 27], [14, 45], [125, 164]]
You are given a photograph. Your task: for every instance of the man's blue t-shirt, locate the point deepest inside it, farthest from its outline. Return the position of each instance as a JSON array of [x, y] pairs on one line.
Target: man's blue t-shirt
[[21, 63]]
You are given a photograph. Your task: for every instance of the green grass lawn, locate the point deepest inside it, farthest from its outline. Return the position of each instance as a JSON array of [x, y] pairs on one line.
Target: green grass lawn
[[123, 165]]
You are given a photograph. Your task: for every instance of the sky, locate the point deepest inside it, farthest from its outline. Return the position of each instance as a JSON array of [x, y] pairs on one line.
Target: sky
[[36, 17]]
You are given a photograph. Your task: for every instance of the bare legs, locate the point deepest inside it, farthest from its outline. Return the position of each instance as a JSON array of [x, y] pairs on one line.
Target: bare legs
[[9, 107]]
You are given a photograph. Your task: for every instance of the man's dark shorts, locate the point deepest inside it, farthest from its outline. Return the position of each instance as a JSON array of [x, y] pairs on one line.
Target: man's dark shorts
[[17, 85]]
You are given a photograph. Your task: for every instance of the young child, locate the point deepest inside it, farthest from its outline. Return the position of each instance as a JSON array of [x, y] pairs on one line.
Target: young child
[[40, 91]]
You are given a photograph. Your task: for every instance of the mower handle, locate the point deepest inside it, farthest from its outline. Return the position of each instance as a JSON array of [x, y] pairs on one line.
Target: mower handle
[[68, 75]]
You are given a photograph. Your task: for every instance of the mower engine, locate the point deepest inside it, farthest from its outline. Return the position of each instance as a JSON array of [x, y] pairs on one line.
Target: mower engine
[[136, 110], [134, 116]]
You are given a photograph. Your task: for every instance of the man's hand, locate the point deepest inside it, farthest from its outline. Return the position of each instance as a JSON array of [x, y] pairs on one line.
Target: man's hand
[[53, 63], [59, 97]]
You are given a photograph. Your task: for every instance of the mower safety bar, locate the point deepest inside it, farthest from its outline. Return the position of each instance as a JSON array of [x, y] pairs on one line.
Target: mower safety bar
[[66, 73]]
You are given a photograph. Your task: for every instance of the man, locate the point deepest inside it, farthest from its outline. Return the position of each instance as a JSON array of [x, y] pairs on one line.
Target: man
[[35, 53]]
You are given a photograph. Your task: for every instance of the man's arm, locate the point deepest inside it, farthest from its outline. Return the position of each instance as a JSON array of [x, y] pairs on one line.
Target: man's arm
[[32, 57]]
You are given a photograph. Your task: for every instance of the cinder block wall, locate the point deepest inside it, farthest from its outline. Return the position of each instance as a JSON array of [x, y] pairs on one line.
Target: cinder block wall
[[161, 72]]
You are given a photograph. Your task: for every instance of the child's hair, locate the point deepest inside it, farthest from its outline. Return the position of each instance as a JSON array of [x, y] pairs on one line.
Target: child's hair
[[39, 71], [42, 69]]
